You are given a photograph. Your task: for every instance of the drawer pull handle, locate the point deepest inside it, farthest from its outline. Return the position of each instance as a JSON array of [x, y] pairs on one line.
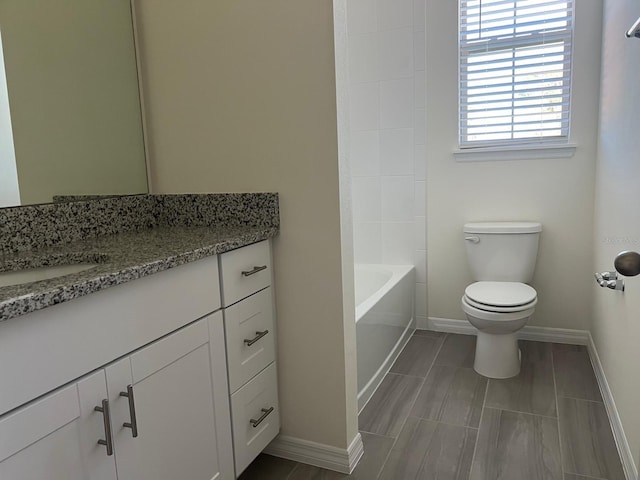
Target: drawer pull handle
[[265, 414], [254, 271], [133, 425], [106, 419], [258, 336]]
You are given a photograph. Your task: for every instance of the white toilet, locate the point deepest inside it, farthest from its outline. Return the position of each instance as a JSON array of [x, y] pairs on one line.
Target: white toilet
[[502, 257]]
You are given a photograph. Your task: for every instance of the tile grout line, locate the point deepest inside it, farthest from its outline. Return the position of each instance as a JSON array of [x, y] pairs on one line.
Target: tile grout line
[[585, 476], [384, 464], [292, 471], [475, 448], [555, 394], [524, 413], [581, 400], [405, 375]]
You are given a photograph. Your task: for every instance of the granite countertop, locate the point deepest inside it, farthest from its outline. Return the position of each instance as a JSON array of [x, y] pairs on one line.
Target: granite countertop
[[120, 258]]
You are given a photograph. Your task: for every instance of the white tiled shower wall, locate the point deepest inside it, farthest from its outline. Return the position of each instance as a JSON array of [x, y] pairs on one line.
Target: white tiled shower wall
[[386, 41]]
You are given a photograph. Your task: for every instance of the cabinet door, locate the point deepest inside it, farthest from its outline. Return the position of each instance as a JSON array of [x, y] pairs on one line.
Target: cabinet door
[[173, 409], [56, 437]]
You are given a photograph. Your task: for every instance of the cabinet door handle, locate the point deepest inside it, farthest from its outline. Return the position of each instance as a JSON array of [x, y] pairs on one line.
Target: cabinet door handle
[[106, 419], [133, 425], [254, 271], [258, 336], [265, 414]]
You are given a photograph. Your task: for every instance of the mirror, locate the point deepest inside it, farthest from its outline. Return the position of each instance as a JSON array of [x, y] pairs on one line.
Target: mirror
[[70, 116]]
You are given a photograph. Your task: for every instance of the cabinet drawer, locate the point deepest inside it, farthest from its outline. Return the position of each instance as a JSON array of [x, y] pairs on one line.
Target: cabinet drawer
[[255, 417], [245, 271], [250, 337]]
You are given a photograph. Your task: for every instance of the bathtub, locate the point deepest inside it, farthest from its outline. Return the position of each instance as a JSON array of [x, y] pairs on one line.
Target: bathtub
[[384, 321]]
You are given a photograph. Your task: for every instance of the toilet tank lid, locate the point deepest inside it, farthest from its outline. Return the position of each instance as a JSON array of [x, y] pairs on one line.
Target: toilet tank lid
[[502, 227]]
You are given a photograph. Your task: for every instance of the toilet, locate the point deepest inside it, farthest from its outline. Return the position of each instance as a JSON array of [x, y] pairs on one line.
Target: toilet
[[502, 258]]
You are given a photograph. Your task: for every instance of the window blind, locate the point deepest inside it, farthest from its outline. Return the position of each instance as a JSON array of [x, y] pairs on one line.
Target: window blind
[[515, 71]]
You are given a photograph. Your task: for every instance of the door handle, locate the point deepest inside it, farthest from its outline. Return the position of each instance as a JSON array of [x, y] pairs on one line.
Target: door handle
[[106, 420], [627, 263], [133, 424]]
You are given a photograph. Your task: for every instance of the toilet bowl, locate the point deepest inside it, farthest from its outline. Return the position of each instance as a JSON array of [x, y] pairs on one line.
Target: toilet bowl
[[502, 258], [498, 310]]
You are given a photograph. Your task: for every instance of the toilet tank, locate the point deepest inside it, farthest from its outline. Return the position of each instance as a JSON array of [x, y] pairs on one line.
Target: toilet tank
[[502, 251]]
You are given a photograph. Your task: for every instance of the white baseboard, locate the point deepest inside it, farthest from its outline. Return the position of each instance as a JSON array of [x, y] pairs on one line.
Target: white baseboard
[[574, 337], [317, 454], [628, 464], [529, 332]]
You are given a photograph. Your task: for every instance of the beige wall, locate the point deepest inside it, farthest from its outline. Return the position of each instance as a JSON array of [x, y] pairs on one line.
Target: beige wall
[[241, 96], [556, 192], [73, 95], [616, 326]]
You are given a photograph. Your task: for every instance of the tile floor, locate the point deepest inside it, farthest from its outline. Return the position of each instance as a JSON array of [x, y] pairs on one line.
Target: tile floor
[[433, 417]]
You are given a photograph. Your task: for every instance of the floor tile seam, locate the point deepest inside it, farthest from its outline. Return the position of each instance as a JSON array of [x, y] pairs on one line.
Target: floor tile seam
[[475, 448], [375, 434], [555, 391], [384, 464], [510, 410], [581, 400], [405, 375], [588, 477], [404, 422], [293, 470], [444, 423]]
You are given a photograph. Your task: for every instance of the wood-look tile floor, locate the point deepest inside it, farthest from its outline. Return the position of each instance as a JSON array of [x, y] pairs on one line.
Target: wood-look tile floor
[[434, 418]]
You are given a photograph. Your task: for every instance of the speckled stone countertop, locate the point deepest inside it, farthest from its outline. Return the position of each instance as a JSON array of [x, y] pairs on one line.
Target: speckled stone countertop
[[128, 237], [120, 258]]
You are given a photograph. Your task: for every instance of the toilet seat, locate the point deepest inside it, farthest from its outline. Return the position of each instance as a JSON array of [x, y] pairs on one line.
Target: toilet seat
[[500, 297], [493, 308], [496, 319]]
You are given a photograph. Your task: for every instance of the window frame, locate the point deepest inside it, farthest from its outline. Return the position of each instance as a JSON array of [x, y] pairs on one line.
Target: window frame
[[558, 146]]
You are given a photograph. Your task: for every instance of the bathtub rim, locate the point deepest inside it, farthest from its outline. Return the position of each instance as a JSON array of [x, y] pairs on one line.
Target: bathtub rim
[[398, 272]]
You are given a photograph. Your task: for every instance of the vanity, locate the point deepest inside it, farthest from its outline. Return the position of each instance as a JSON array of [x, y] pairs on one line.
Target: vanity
[[158, 363], [137, 332]]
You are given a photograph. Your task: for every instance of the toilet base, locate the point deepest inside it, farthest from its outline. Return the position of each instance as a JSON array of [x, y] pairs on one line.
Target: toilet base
[[497, 356]]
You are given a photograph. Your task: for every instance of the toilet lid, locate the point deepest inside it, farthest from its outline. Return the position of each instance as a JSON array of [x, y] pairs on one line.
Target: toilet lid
[[501, 294]]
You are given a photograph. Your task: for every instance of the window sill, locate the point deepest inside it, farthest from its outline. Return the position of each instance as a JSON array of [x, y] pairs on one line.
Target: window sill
[[515, 152]]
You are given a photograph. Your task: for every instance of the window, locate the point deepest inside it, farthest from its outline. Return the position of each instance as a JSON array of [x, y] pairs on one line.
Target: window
[[515, 71]]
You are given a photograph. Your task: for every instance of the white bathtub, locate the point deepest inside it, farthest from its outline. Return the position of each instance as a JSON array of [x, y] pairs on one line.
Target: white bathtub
[[384, 321]]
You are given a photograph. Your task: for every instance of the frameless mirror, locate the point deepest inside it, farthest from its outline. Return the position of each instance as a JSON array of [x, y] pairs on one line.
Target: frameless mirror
[[70, 116]]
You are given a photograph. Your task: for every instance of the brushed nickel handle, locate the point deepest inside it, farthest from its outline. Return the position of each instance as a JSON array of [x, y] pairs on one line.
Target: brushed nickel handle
[[265, 414], [133, 425], [258, 336], [254, 271], [106, 419]]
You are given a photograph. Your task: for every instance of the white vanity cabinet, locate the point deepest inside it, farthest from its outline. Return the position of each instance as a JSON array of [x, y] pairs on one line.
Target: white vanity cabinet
[[56, 437], [156, 417], [246, 277], [149, 380], [162, 398]]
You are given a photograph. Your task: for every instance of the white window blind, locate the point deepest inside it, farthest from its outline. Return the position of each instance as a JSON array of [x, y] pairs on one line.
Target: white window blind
[[515, 71]]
